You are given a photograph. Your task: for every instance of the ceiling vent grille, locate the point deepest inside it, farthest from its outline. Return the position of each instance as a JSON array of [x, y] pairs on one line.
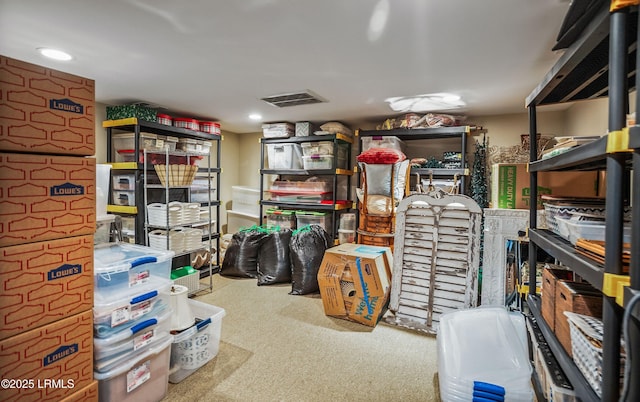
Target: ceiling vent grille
[[293, 99]]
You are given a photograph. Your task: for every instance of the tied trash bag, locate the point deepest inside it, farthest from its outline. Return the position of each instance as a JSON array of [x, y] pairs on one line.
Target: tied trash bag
[[307, 248], [241, 257], [274, 265]]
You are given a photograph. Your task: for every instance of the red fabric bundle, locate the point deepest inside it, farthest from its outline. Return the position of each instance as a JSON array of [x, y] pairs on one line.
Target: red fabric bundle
[[381, 156]]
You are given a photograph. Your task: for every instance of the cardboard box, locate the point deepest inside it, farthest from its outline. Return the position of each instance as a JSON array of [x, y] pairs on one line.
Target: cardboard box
[[355, 281], [44, 282], [86, 394], [55, 360], [44, 197], [510, 185], [45, 111]]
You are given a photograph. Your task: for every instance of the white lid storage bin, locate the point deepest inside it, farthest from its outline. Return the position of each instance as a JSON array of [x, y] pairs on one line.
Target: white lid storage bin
[[573, 229], [284, 156], [124, 197], [485, 344], [113, 350], [144, 377], [245, 200], [383, 142], [317, 148], [124, 145], [122, 266], [317, 162], [128, 306], [197, 345], [123, 181], [167, 142]]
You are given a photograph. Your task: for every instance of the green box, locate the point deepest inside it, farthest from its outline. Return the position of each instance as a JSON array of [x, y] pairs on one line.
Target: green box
[[126, 111]]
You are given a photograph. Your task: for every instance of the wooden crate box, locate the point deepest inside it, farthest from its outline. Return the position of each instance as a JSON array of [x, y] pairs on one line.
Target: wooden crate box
[[581, 298]]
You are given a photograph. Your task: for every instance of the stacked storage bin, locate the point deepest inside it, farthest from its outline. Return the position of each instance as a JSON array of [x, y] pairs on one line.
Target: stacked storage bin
[[48, 204], [132, 321], [198, 344]]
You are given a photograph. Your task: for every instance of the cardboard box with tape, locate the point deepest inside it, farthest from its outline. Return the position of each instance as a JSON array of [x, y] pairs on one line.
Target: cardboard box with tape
[[43, 282], [45, 111], [51, 362], [44, 197], [355, 281], [510, 185]]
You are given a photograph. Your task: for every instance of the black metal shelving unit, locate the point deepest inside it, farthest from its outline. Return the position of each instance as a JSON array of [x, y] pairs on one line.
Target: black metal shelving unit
[[335, 173], [600, 63], [411, 134], [141, 170]]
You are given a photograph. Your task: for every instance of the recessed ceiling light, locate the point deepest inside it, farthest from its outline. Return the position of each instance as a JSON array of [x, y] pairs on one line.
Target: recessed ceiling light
[[255, 116], [54, 54]]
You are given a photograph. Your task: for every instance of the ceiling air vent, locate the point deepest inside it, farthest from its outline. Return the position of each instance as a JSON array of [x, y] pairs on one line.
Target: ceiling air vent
[[293, 99]]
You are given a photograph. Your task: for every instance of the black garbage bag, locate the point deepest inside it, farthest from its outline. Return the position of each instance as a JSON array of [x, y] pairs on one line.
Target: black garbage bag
[[241, 257], [274, 265], [307, 248]]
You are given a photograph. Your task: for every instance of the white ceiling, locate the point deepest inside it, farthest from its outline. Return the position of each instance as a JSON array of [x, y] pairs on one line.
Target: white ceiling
[[214, 59]]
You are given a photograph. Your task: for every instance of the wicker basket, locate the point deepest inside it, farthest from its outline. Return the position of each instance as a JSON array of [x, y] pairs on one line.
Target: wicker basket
[[179, 175], [553, 211], [586, 347]]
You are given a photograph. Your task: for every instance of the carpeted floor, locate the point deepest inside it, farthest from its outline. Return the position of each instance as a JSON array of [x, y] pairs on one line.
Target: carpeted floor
[[278, 347]]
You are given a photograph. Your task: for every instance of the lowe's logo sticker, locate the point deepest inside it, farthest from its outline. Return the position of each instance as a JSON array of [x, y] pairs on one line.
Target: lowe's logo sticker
[[66, 105], [64, 271], [67, 189], [60, 353]]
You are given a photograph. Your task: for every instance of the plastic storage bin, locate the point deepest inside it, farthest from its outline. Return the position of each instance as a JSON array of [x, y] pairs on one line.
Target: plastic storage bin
[[346, 236], [124, 145], [245, 200], [323, 219], [197, 345], [188, 145], [573, 229], [113, 350], [126, 307], [308, 198], [167, 143], [144, 377], [348, 221], [122, 266], [317, 148], [300, 187], [317, 162], [123, 182], [486, 344], [383, 142], [285, 219], [121, 197], [103, 229], [284, 156]]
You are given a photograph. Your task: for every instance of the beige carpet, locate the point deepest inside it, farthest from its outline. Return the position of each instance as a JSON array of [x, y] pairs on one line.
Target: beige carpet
[[278, 347]]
